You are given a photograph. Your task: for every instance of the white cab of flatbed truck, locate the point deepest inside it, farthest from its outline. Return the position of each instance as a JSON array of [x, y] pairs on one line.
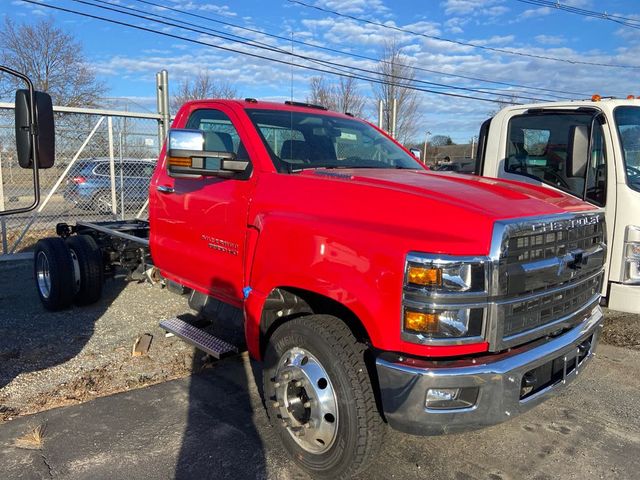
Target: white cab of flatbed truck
[[590, 149]]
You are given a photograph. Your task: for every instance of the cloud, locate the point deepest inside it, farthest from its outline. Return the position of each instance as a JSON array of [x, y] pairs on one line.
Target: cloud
[[475, 7], [354, 7], [534, 12], [550, 39], [222, 10]]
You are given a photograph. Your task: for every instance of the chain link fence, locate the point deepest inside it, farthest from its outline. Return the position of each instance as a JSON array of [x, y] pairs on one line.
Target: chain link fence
[[104, 161]]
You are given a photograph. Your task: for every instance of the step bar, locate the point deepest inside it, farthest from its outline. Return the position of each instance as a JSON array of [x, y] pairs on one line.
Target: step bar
[[197, 337]]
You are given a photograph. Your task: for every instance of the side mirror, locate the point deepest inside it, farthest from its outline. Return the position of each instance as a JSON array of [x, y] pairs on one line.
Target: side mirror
[[416, 153], [186, 154], [34, 146], [42, 125], [578, 151]]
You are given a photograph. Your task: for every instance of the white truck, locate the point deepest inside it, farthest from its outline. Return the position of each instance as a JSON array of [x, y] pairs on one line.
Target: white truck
[[590, 149]]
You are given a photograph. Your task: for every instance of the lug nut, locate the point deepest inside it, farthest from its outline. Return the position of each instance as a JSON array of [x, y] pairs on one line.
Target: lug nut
[[307, 404], [276, 404]]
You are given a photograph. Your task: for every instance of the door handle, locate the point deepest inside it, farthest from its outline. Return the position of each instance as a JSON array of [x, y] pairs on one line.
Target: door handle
[[165, 189]]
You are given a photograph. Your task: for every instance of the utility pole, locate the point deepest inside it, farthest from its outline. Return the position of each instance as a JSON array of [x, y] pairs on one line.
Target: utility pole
[[424, 157]]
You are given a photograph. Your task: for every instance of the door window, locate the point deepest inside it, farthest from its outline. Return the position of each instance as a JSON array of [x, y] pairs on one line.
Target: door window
[[219, 133], [540, 146]]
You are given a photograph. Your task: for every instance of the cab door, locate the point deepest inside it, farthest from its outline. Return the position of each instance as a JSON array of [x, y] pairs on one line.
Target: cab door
[[198, 225]]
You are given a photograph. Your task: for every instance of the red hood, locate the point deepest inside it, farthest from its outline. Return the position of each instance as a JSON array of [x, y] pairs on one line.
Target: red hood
[[409, 209], [494, 197]]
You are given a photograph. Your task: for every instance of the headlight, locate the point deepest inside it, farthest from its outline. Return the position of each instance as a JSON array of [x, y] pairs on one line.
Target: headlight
[[445, 274], [631, 267], [444, 299], [456, 323]]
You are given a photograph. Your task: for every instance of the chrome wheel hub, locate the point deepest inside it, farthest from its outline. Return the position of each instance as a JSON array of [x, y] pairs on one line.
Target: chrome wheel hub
[[306, 400], [43, 275]]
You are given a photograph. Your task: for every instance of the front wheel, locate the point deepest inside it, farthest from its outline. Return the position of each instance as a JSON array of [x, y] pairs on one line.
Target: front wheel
[[319, 396]]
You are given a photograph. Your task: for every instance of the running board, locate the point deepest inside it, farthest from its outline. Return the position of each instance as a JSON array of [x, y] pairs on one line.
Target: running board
[[199, 338]]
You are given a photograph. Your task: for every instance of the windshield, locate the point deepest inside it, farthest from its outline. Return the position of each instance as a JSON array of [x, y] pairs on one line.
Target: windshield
[[628, 124], [297, 141]]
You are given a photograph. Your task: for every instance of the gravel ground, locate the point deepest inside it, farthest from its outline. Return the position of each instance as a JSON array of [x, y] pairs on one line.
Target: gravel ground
[[621, 329], [54, 359]]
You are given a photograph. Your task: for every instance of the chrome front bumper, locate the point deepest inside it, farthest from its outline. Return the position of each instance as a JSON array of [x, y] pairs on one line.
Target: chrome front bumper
[[498, 379]]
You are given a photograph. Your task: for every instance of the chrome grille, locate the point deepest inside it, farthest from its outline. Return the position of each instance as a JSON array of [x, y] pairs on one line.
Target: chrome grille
[[545, 270], [528, 314], [527, 246]]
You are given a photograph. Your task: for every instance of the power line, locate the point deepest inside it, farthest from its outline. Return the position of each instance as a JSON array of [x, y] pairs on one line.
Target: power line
[[626, 21], [253, 55], [459, 42], [355, 55], [261, 45]]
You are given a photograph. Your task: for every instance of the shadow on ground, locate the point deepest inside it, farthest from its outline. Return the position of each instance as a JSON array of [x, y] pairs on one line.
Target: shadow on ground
[[32, 338]]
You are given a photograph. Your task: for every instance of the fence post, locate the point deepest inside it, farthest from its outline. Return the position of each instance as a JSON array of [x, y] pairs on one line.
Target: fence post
[[112, 168], [3, 223], [162, 98]]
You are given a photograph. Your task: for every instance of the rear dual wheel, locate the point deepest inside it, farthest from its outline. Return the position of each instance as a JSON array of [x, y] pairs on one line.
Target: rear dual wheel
[[68, 271]]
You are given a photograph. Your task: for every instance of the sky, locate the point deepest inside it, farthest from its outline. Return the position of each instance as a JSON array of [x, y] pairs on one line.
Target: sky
[[518, 51]]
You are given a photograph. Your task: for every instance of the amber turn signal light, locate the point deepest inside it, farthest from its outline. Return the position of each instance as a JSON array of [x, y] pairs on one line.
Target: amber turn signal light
[[429, 277], [421, 322], [180, 162]]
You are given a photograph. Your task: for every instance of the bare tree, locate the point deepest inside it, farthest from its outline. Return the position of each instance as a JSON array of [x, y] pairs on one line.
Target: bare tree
[[396, 75], [502, 102], [53, 59], [341, 97], [440, 140], [201, 86]]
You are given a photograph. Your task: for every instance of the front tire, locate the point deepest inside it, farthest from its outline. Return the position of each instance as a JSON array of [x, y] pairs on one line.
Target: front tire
[[319, 397], [54, 273]]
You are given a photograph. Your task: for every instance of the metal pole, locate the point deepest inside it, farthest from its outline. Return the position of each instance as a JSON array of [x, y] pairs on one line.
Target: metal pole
[[160, 105], [426, 136], [3, 224], [166, 115], [394, 117], [112, 168], [121, 181], [380, 113]]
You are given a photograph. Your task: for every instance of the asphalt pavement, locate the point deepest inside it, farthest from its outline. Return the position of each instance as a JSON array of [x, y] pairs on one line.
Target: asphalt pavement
[[212, 426]]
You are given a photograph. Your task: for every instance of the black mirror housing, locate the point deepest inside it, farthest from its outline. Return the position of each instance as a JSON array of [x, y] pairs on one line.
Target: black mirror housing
[[42, 125]]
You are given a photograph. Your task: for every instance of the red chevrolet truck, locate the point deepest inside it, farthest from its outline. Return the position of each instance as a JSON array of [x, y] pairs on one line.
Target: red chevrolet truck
[[372, 290]]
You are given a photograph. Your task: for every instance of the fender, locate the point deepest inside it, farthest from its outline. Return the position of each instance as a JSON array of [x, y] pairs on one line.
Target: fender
[[295, 250], [354, 267]]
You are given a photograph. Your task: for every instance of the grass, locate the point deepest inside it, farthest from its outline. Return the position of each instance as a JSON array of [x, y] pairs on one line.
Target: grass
[[33, 439]]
